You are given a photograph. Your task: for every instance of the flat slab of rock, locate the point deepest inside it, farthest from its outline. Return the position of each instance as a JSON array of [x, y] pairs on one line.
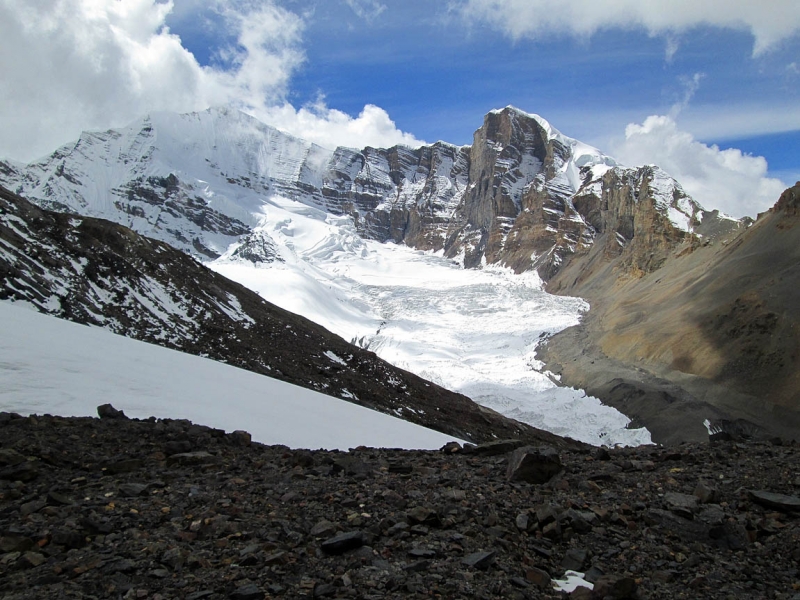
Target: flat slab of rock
[[131, 490], [343, 543], [681, 504], [248, 591], [192, 458], [497, 448], [772, 500]]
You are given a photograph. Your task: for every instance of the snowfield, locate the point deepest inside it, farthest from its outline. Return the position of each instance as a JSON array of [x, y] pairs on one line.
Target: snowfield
[[471, 331], [52, 366]]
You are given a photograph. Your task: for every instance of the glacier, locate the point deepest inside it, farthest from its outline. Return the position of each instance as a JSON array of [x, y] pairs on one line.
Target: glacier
[[471, 331]]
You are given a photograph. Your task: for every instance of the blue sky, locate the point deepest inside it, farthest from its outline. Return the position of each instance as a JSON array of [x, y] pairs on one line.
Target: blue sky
[[724, 77]]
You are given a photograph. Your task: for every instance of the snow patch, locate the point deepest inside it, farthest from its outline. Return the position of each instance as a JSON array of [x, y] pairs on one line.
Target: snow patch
[[52, 366]]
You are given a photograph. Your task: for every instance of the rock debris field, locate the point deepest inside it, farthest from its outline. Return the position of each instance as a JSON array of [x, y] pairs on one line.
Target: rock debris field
[[148, 509]]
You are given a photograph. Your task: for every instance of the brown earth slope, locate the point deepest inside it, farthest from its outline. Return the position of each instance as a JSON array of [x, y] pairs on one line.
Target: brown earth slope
[[714, 333]]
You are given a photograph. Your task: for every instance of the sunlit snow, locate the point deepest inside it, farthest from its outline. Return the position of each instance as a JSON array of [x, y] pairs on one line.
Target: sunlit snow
[[52, 366], [472, 331]]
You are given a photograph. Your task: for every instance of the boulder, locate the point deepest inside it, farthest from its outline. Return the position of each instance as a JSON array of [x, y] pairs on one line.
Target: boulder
[[533, 465], [106, 411]]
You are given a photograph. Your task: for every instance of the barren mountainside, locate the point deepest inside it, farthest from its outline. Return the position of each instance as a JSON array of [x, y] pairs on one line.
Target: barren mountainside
[[715, 328]]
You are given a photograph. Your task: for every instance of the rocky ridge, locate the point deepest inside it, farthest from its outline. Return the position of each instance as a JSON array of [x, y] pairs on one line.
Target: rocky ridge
[[95, 272], [120, 508]]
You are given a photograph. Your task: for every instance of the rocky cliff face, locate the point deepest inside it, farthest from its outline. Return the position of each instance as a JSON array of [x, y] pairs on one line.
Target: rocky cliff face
[[523, 195]]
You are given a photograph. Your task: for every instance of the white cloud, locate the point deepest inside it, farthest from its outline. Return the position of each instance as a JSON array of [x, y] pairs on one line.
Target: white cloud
[[690, 87], [366, 9], [769, 22], [330, 128], [728, 180], [71, 65]]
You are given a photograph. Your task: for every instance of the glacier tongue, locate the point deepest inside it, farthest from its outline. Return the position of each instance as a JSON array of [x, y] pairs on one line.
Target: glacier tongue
[[474, 332]]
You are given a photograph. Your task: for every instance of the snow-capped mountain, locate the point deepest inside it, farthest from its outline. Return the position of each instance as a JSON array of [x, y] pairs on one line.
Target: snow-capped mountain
[[290, 219], [523, 195]]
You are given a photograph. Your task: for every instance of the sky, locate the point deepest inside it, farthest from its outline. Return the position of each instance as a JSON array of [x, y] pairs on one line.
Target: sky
[[707, 89]]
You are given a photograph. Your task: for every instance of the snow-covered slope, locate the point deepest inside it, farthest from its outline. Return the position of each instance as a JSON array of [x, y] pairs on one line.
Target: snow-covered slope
[[52, 366], [198, 181]]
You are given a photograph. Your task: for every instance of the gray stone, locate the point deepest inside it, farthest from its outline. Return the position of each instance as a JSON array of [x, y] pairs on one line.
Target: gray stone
[[422, 515], [324, 590], [575, 559], [240, 438], [777, 501], [480, 560], [31, 507], [538, 577], [106, 411], [10, 457], [323, 529], [422, 553], [15, 544], [192, 459], [249, 591], [132, 490], [618, 588], [54, 497], [24, 471], [705, 493], [32, 559], [533, 465], [343, 542], [498, 447], [681, 504]]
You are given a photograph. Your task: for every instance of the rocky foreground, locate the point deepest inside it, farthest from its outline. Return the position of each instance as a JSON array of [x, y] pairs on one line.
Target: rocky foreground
[[119, 508]]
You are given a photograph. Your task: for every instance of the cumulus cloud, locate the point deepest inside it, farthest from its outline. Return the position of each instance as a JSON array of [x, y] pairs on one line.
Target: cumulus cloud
[[71, 65], [769, 22], [330, 127], [729, 180]]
